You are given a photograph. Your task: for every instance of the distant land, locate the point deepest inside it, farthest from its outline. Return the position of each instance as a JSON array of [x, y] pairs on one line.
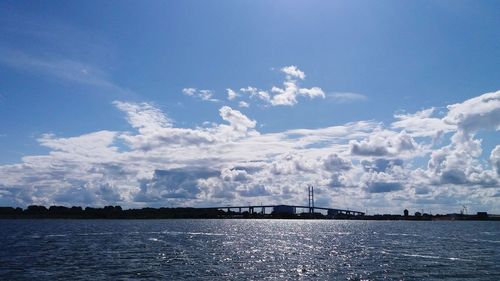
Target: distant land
[[279, 212]]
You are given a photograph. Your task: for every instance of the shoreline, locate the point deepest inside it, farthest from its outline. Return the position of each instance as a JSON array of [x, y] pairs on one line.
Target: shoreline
[[116, 212]]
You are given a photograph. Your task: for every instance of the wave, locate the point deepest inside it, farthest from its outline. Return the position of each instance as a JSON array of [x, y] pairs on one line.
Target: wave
[[192, 233], [435, 257], [403, 234]]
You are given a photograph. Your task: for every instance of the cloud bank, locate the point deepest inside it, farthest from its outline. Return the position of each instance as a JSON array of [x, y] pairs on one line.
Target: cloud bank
[[359, 165]]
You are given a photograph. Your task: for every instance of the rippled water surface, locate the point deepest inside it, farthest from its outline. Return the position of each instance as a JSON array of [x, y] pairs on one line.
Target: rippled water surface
[[248, 250]]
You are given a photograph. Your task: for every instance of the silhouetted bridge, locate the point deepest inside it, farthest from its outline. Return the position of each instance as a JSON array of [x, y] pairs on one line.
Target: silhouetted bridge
[[284, 209]]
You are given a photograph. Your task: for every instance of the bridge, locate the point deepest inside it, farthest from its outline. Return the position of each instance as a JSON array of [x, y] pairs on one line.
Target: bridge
[[290, 209], [284, 209]]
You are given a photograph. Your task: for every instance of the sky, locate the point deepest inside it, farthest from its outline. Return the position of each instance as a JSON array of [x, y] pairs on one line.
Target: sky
[[380, 105]]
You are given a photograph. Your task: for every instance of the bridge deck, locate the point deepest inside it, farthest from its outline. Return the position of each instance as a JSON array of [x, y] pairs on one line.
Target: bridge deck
[[251, 207]]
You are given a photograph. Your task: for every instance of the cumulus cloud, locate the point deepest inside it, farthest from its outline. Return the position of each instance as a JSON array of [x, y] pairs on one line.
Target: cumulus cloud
[[204, 95], [380, 187], [479, 113], [180, 183], [189, 91], [155, 131], [256, 93], [339, 170], [292, 164], [423, 124], [238, 121], [495, 159], [458, 162], [336, 163], [287, 95], [243, 104], [231, 95], [254, 191], [291, 89], [384, 143], [354, 165], [234, 175], [381, 164], [250, 90], [293, 72]]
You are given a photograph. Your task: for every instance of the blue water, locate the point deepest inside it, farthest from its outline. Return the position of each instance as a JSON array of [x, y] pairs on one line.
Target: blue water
[[248, 250]]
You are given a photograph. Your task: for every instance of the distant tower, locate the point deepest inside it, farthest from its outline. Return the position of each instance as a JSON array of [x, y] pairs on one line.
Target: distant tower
[[311, 198], [405, 212]]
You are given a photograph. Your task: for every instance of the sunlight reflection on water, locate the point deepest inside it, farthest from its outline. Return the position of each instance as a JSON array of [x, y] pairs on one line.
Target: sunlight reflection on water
[[248, 249]]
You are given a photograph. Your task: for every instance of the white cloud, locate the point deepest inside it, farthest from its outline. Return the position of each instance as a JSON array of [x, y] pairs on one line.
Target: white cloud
[[253, 92], [60, 69], [293, 72], [355, 165], [383, 144], [231, 94], [495, 159], [347, 97], [336, 163], [276, 96], [189, 91], [479, 113], [287, 95], [313, 92], [243, 104], [204, 95], [250, 90], [236, 119], [143, 116], [458, 162], [180, 183], [89, 146], [422, 124]]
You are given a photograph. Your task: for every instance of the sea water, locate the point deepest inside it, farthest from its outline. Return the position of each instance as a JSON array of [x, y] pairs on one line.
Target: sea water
[[248, 250]]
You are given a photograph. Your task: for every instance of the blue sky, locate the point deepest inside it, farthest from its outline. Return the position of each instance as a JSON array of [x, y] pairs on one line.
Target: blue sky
[[73, 69]]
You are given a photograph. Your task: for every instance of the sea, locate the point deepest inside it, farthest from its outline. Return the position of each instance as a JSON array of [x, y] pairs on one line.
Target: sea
[[231, 249]]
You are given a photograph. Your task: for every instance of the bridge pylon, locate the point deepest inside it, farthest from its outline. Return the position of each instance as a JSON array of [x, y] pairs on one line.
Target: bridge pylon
[[310, 190]]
